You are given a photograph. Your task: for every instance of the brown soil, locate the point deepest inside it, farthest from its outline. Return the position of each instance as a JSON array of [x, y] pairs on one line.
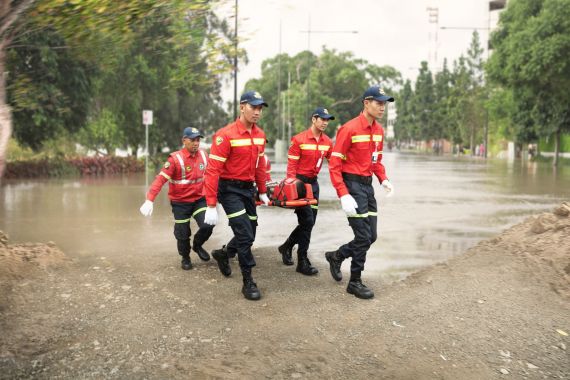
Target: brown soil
[[501, 310]]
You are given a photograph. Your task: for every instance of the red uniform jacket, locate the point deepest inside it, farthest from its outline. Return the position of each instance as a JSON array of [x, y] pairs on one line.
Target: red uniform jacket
[[357, 150], [185, 174], [236, 154], [306, 154], [267, 169]]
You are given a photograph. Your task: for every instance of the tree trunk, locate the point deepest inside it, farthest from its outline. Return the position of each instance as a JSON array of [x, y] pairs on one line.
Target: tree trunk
[[556, 147], [5, 116]]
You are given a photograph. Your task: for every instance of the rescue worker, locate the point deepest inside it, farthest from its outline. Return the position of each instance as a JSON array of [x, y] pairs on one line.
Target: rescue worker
[[236, 164], [306, 154], [357, 154], [184, 170]]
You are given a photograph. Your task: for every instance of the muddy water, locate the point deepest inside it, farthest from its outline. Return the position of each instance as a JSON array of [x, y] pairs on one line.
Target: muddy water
[[441, 207]]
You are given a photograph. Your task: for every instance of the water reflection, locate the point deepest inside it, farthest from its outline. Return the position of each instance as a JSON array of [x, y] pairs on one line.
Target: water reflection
[[442, 206]]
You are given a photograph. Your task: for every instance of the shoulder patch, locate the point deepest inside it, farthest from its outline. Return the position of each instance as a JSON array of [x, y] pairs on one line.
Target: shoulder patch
[[219, 140], [166, 165]]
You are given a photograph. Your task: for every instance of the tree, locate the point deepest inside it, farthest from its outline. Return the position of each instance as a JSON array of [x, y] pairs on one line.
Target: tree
[[532, 59]]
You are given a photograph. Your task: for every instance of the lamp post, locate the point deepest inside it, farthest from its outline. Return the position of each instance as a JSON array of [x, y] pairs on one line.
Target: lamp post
[[235, 59]]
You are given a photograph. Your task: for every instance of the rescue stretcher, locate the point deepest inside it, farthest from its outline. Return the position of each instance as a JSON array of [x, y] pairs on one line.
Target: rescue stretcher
[[289, 193]]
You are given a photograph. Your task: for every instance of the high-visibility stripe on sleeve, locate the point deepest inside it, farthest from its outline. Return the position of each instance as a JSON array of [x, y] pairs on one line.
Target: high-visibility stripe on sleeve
[[360, 138], [294, 157], [376, 137], [323, 147], [218, 158], [258, 141], [164, 175], [339, 155]]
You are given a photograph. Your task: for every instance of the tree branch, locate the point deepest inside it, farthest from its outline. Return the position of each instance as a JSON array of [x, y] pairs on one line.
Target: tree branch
[[12, 16]]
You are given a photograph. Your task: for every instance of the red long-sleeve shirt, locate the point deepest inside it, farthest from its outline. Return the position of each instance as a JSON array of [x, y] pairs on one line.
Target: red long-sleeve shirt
[[185, 174], [237, 154], [307, 153], [358, 150]]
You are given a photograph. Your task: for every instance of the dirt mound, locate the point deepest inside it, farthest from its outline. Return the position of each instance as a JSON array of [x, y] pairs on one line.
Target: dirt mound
[[545, 241], [20, 260]]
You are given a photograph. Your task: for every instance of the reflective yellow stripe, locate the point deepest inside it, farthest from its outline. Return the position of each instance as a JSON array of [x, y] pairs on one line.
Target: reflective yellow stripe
[[308, 146], [360, 215], [258, 141], [251, 217], [240, 142], [360, 138], [236, 214], [376, 137], [339, 155], [182, 220], [218, 158], [316, 207], [324, 147], [294, 157], [372, 213], [164, 175], [380, 152], [199, 211]]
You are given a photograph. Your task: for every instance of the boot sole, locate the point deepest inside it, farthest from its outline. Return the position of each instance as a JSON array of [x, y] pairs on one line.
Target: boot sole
[[357, 295], [250, 297]]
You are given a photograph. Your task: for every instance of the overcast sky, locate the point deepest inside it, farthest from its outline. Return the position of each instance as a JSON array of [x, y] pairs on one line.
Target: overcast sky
[[390, 32]]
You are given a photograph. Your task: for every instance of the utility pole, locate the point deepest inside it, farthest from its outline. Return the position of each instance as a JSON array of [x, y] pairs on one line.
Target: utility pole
[[433, 18]]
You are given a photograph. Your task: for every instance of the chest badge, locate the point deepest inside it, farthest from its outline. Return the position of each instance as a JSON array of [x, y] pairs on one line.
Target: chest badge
[[201, 167], [188, 168]]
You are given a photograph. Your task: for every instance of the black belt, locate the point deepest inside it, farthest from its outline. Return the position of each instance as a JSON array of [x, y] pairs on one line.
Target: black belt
[[238, 183], [366, 180], [311, 180]]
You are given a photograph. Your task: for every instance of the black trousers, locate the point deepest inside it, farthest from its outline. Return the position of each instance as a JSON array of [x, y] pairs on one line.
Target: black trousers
[[239, 205], [306, 217], [364, 225], [183, 212]]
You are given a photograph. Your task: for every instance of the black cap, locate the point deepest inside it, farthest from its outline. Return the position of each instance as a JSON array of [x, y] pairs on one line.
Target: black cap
[[191, 133], [323, 113], [376, 93], [252, 97]]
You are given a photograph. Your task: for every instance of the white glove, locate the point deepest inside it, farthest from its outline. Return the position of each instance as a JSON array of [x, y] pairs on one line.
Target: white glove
[[263, 197], [349, 205], [211, 216], [146, 208], [388, 187]]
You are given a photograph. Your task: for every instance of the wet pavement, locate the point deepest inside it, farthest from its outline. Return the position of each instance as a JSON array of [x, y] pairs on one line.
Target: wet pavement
[[441, 207]]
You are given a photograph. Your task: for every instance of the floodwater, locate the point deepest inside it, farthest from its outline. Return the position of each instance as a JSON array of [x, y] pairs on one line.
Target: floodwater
[[441, 207]]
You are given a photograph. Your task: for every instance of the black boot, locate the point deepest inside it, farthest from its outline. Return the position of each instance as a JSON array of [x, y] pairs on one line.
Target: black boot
[[249, 289], [186, 263], [335, 261], [286, 250], [304, 265], [202, 253], [221, 256], [356, 287]]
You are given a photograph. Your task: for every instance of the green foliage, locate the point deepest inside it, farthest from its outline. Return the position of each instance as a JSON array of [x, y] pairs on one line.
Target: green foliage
[[102, 132], [336, 81], [546, 144], [49, 89], [532, 59]]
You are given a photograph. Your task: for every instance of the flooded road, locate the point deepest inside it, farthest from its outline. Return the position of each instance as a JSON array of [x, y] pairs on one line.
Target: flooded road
[[441, 207]]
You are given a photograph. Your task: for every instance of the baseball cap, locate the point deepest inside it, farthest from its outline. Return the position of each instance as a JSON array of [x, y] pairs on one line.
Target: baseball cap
[[323, 113], [376, 93], [191, 133], [252, 97]]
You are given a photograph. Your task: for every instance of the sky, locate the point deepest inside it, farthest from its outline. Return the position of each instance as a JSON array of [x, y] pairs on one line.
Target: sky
[[390, 32]]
